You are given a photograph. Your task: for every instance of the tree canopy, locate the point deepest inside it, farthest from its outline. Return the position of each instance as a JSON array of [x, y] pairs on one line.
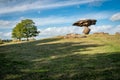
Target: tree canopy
[[25, 29]]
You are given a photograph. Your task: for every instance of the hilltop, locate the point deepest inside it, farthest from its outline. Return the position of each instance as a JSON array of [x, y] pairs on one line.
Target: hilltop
[[96, 57]]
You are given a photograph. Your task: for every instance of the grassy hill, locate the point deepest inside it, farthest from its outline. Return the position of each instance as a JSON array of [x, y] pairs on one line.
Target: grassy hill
[[96, 57]]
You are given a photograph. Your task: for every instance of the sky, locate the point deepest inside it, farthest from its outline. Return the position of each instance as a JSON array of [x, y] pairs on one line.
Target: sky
[[55, 17]]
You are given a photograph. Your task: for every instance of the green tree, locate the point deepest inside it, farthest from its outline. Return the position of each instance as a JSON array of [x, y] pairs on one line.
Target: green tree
[[18, 31], [25, 29], [30, 30]]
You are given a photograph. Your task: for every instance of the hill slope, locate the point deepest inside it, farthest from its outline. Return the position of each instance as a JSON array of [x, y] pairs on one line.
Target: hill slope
[[93, 58]]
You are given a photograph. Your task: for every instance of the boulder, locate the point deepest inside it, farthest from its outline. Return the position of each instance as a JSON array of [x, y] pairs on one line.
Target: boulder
[[85, 23]]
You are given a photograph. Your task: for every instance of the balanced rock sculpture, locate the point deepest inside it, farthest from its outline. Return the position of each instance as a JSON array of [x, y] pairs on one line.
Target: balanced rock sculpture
[[85, 23]]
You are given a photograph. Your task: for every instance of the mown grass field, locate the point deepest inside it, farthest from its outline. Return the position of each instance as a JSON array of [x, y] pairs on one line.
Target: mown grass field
[[96, 57]]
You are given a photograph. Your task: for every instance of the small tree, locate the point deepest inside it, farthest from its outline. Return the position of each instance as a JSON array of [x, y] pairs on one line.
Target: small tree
[[25, 29]]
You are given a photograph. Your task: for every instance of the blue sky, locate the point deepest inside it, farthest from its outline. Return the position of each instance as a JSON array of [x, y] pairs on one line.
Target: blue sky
[[55, 17]]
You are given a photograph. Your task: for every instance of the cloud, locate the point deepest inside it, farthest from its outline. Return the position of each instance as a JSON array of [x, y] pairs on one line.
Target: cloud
[[97, 15], [115, 17], [5, 35], [97, 3], [7, 24], [55, 20], [55, 31], [105, 28], [69, 19], [41, 4], [4, 23]]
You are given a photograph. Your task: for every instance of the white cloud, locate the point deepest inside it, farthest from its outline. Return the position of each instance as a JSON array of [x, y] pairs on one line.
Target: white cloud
[[69, 19], [97, 15], [7, 24], [55, 31], [105, 28], [115, 17], [5, 35], [97, 3], [4, 23], [43, 4], [0, 34], [53, 20]]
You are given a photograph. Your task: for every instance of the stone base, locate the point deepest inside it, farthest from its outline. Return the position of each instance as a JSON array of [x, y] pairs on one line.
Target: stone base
[[86, 30]]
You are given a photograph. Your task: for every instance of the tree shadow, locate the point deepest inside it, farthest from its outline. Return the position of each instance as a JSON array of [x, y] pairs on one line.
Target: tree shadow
[[78, 67], [58, 61], [10, 67], [63, 49], [103, 66]]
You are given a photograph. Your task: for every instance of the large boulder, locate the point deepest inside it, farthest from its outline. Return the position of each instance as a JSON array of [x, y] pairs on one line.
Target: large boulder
[[85, 23]]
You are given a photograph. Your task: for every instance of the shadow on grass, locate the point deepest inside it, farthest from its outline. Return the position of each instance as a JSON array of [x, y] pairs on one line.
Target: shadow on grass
[[78, 67], [57, 61], [10, 67]]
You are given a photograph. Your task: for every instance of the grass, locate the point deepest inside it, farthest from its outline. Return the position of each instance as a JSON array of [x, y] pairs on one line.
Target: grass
[[91, 58]]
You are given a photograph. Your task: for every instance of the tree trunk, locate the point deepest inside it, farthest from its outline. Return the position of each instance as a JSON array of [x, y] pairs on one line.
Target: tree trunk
[[19, 39], [27, 39]]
